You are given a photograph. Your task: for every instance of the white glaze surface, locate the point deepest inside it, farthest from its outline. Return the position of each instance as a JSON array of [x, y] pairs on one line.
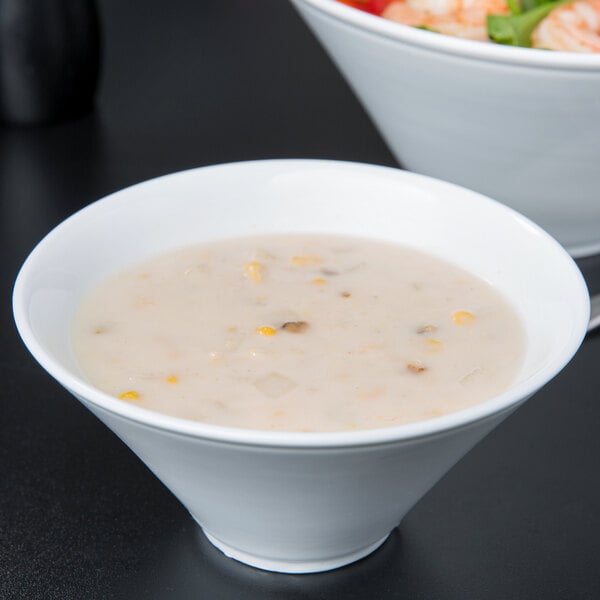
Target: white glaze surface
[[281, 498]]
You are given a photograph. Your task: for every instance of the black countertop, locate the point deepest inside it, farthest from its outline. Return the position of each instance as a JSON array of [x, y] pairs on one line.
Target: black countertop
[[189, 83]]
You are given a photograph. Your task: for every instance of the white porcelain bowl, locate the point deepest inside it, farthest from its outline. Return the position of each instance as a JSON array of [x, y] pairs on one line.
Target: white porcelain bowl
[[300, 502], [517, 124]]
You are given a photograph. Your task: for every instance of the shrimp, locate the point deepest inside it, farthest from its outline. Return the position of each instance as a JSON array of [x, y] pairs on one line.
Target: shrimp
[[460, 18], [574, 27]]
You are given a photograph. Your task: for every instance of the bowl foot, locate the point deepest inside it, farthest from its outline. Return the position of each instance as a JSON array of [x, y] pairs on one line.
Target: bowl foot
[[292, 566]]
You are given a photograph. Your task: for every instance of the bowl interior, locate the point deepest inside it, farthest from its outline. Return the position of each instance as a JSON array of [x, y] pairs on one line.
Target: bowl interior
[[210, 203]]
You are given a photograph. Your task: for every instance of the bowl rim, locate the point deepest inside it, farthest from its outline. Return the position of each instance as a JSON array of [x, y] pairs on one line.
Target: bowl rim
[[501, 403], [447, 44]]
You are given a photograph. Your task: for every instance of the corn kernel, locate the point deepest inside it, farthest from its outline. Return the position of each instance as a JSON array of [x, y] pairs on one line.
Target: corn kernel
[[434, 345], [254, 271], [319, 281], [129, 395], [266, 330], [463, 317], [302, 261], [172, 379]]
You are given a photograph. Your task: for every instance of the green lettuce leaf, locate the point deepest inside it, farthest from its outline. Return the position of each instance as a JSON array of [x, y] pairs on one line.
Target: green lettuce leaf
[[426, 28], [531, 4], [515, 6], [516, 30]]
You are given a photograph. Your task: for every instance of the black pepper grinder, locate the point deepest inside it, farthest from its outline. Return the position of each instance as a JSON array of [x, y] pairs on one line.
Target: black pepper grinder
[[49, 60]]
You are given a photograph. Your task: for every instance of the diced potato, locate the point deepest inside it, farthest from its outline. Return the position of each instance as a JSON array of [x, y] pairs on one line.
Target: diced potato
[[427, 329], [416, 366], [274, 385]]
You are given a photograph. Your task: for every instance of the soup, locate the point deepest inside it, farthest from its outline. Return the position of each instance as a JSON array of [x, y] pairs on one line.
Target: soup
[[298, 333]]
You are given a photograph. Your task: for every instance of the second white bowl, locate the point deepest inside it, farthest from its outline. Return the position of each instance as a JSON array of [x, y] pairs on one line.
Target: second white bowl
[[517, 124]]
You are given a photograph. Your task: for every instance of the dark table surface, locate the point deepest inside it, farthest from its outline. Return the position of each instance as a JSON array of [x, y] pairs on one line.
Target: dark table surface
[[187, 83]]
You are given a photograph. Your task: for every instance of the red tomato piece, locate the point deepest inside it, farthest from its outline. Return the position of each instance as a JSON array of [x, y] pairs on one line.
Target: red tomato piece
[[378, 6], [364, 5]]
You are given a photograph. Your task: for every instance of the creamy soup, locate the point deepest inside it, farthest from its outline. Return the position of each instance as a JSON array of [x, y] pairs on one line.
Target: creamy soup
[[298, 333]]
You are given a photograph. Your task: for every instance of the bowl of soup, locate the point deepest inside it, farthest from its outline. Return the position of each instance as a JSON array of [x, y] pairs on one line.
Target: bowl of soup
[[300, 349], [516, 123]]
